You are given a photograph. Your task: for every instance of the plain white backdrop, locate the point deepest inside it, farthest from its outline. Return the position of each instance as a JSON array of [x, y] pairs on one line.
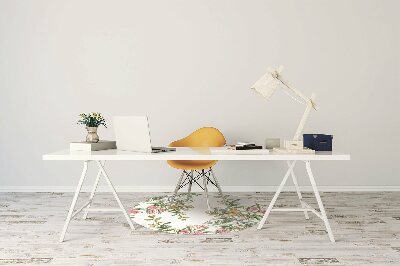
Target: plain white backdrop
[[188, 64]]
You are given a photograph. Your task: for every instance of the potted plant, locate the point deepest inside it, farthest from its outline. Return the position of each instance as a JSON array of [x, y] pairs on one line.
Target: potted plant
[[92, 121]]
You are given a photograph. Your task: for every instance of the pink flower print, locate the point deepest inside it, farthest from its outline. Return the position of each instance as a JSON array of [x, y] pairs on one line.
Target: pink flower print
[[184, 232], [253, 209], [221, 231], [201, 226], [133, 211], [152, 209]]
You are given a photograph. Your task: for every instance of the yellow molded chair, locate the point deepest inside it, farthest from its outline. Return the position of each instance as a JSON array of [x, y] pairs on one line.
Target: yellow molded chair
[[194, 170]]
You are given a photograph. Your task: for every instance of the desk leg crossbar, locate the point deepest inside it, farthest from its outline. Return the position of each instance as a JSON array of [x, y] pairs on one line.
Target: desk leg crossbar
[[305, 207], [86, 207]]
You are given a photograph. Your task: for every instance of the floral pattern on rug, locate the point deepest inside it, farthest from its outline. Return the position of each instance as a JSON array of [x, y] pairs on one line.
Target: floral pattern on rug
[[188, 214]]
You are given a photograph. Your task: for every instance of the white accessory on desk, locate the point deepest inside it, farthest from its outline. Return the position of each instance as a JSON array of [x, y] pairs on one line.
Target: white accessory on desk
[[133, 134], [266, 86], [232, 150], [244, 143], [93, 146], [271, 143], [293, 144]]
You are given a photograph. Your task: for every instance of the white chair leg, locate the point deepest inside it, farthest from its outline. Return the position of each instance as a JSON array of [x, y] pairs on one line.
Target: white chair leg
[[278, 191], [216, 183], [190, 182], [71, 209], [179, 183], [96, 182], [298, 191], [205, 189], [320, 205], [218, 186]]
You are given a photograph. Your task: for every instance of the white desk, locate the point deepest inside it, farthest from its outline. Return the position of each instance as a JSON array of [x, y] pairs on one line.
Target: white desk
[[100, 157]]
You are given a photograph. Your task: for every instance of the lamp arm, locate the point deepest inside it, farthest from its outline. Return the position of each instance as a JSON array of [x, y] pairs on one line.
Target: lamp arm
[[297, 92], [310, 105], [309, 102]]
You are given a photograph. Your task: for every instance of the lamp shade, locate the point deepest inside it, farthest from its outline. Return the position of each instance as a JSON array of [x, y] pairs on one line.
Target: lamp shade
[[267, 84]]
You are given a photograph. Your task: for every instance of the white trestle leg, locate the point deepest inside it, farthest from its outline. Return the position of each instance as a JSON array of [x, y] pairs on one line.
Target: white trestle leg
[[305, 207], [320, 205], [86, 207], [71, 209], [128, 219], [96, 182], [298, 191], [278, 191]]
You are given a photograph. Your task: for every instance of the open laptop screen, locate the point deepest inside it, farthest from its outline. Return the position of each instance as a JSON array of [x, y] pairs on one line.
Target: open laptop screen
[[132, 133]]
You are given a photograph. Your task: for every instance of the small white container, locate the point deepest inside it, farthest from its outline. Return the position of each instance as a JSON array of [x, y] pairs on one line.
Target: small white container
[[271, 143], [293, 144]]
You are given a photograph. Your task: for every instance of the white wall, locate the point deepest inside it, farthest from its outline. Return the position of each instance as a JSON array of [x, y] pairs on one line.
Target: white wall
[[188, 64]]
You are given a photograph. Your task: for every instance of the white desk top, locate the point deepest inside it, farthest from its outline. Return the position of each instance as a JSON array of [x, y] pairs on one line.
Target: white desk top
[[189, 154]]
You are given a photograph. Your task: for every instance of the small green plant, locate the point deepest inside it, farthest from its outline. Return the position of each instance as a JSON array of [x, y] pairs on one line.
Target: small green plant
[[92, 120]]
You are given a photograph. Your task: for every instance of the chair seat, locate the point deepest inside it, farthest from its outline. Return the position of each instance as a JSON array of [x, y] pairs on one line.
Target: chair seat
[[203, 137], [191, 164]]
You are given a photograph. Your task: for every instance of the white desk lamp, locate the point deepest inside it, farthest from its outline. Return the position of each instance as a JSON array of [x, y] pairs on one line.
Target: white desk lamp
[[266, 86]]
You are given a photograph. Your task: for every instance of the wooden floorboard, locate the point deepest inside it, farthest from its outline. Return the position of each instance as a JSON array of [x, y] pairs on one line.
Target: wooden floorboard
[[366, 226]]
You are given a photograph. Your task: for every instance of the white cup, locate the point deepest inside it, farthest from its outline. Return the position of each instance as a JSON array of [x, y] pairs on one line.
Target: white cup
[[271, 143]]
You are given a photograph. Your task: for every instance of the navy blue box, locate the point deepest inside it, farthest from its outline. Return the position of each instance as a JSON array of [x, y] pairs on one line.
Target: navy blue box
[[318, 142]]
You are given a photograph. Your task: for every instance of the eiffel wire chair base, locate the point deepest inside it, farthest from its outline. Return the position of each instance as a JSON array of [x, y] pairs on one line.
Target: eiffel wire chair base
[[194, 179], [188, 178]]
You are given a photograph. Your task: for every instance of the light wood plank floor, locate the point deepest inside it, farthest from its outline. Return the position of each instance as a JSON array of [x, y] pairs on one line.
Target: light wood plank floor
[[366, 226]]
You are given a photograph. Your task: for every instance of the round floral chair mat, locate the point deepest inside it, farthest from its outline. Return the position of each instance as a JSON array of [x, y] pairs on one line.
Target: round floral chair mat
[[187, 214]]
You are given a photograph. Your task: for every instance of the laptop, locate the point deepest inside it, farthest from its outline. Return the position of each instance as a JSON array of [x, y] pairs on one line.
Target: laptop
[[132, 133]]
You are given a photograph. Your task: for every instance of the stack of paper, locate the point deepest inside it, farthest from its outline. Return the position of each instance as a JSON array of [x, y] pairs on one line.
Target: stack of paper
[[87, 146]]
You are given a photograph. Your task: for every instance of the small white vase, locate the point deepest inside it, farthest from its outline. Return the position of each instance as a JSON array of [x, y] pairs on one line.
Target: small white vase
[[92, 136]]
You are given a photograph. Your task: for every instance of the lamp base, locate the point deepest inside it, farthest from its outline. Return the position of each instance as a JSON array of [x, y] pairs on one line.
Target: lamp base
[[293, 151]]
